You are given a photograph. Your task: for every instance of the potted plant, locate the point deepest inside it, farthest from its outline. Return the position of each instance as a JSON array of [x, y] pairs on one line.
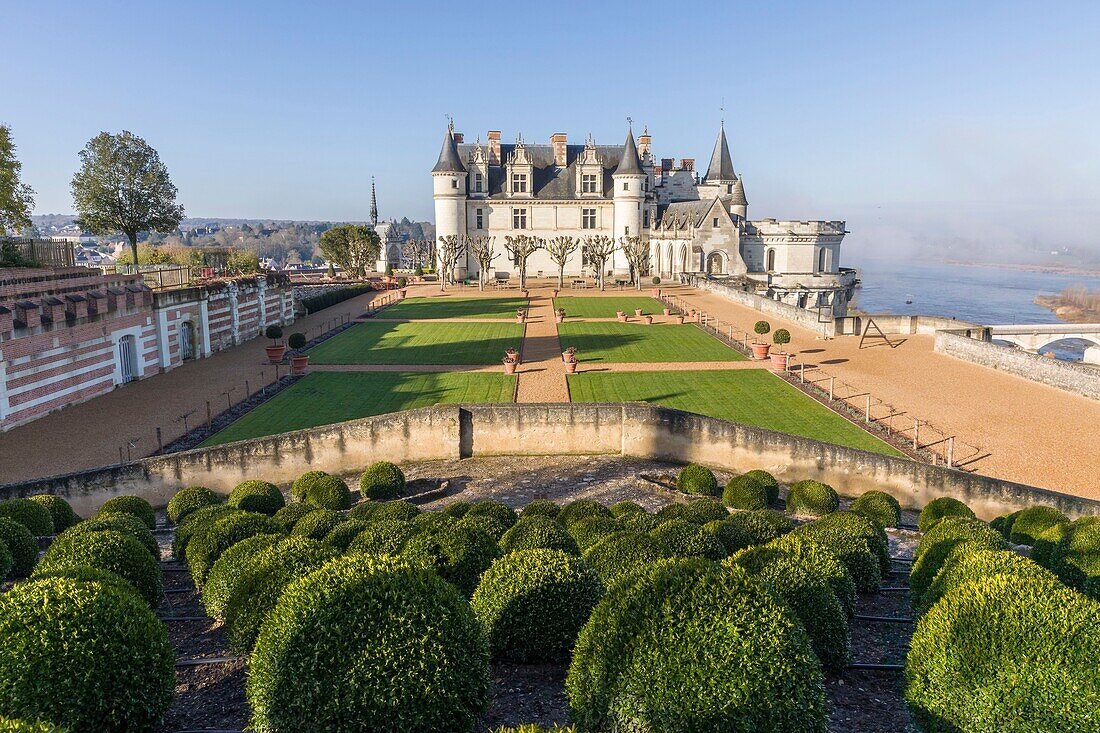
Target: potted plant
[[649, 320], [568, 353], [571, 364], [509, 366], [637, 312], [525, 292], [402, 285], [668, 311], [298, 362], [680, 319], [555, 293], [276, 351], [760, 350], [780, 358], [559, 315], [521, 315], [656, 291], [621, 316], [511, 354]]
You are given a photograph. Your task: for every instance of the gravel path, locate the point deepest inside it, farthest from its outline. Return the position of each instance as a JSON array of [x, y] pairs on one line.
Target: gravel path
[[542, 373]]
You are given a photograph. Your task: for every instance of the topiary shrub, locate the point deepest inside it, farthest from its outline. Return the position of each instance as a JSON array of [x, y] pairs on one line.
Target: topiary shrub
[[730, 534], [257, 496], [852, 550], [189, 500], [207, 545], [432, 520], [812, 498], [329, 492], [124, 523], [701, 511], [227, 570], [264, 579], [109, 550], [385, 537], [936, 544], [696, 479], [809, 596], [857, 525], [575, 511], [1072, 552], [671, 511], [617, 555], [762, 526], [745, 492], [456, 509], [301, 486], [85, 655], [967, 563], [1032, 522], [317, 524], [590, 530], [403, 648], [60, 511], [771, 486], [12, 725], [941, 508], [494, 509], [6, 561], [621, 508], [134, 505], [382, 481], [289, 516], [1006, 653], [195, 522], [21, 545], [658, 650], [678, 538], [490, 525], [639, 521], [533, 603], [538, 532], [378, 511], [879, 506], [540, 508], [85, 574], [1003, 523], [343, 534], [30, 514], [459, 554], [818, 556], [532, 728]]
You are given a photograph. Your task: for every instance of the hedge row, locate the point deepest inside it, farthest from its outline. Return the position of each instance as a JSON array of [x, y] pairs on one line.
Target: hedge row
[[314, 303]]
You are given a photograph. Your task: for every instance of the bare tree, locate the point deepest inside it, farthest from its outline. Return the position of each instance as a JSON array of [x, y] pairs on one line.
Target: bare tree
[[451, 247], [560, 250], [416, 251], [484, 251], [519, 249], [598, 249], [636, 250]]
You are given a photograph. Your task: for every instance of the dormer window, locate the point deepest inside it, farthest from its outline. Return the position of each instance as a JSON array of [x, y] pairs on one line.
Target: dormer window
[[729, 188], [519, 183], [714, 225], [477, 183], [588, 183]]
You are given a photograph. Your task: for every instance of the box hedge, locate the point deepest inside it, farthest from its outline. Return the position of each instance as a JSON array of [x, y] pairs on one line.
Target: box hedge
[[824, 561], [853, 551], [1006, 653], [14, 725], [191, 499], [763, 525], [289, 516], [771, 486], [317, 524], [937, 544], [678, 538], [617, 555], [639, 521], [125, 523], [701, 511], [689, 645], [456, 509], [1032, 522], [533, 603], [6, 561], [858, 525], [208, 544], [134, 505], [385, 537], [540, 508], [745, 492], [590, 530], [60, 511], [730, 534], [327, 299], [329, 492], [495, 510], [879, 506], [812, 499], [486, 523], [575, 511], [382, 481], [109, 550], [538, 532], [193, 523], [379, 511], [227, 570], [969, 562], [1003, 523], [257, 496], [459, 554], [343, 534], [696, 479], [402, 647], [1072, 552], [620, 508], [941, 508], [433, 520], [21, 545], [85, 655], [30, 514], [301, 486]]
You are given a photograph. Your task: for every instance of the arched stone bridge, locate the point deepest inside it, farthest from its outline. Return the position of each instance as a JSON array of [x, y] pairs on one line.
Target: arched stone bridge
[[1033, 337]]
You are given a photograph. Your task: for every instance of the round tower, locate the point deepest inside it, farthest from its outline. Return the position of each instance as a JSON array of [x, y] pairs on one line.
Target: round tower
[[629, 197], [449, 189], [739, 205]]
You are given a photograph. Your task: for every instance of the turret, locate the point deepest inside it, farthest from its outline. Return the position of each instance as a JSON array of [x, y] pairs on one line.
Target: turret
[[629, 196], [720, 171], [449, 189], [739, 205]]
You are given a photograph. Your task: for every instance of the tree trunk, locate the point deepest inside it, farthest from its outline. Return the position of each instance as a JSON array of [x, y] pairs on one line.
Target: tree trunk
[[561, 276], [133, 250], [523, 275]]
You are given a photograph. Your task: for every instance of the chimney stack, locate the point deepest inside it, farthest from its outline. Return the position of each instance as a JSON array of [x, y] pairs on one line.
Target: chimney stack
[[644, 142], [687, 164], [559, 140], [494, 147], [667, 164], [458, 138]]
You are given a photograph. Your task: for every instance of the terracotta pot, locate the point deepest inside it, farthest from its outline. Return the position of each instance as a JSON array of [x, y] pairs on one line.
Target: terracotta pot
[[680, 320], [638, 312], [656, 292], [760, 351], [570, 367], [619, 314], [779, 361], [559, 318], [622, 318], [555, 294], [668, 311], [568, 354], [275, 354], [509, 367], [525, 292], [298, 365], [404, 292], [649, 320], [512, 355], [520, 319]]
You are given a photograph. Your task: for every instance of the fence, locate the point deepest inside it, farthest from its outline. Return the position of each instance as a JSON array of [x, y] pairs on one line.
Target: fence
[[157, 277], [46, 252]]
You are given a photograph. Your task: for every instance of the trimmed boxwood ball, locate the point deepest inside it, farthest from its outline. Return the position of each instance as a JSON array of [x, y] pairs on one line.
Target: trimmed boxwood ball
[[812, 498], [591, 530], [456, 509], [639, 521], [879, 506], [401, 646], [533, 603], [1032, 522], [678, 538], [382, 481], [207, 545], [490, 525], [342, 535], [85, 574], [852, 550], [287, 517], [540, 508], [85, 655], [459, 554], [1003, 523], [113, 551], [60, 511], [938, 509], [967, 563], [617, 555], [499, 511], [125, 523], [1074, 551], [195, 522], [538, 532], [730, 534], [575, 511], [227, 570], [329, 492], [189, 500], [301, 486], [745, 492], [1006, 653], [21, 545], [134, 505], [257, 496], [937, 544], [378, 511], [618, 509], [771, 486], [317, 524], [386, 537], [6, 561], [670, 512], [762, 526], [701, 511], [264, 579], [696, 479], [809, 596], [818, 556], [30, 514], [690, 645], [857, 525], [432, 520]]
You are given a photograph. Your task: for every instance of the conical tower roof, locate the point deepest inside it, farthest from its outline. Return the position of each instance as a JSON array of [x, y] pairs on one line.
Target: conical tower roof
[[720, 169], [631, 164], [449, 160], [739, 194]]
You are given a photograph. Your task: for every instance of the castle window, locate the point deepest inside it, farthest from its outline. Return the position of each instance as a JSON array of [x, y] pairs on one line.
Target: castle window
[[626, 230], [479, 219], [588, 218], [454, 183], [477, 183], [645, 218], [714, 225], [821, 260], [770, 267], [588, 183], [626, 185], [519, 183], [519, 218], [729, 188]]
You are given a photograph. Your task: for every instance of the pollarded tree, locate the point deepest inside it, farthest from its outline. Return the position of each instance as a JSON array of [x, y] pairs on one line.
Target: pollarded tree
[[16, 197], [122, 186], [450, 248], [520, 248], [416, 251], [598, 249], [352, 246], [483, 248], [636, 250], [560, 250]]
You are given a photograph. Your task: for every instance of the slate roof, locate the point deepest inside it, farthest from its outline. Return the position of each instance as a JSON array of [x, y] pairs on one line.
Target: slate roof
[[682, 214], [721, 165], [739, 194], [630, 164], [550, 181], [449, 160]]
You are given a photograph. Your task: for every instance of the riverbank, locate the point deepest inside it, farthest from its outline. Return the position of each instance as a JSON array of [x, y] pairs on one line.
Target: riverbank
[[1073, 305], [1083, 271]]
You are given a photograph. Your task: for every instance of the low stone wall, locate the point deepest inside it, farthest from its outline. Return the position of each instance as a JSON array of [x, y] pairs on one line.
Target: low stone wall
[[1077, 378], [892, 324], [802, 316], [461, 431]]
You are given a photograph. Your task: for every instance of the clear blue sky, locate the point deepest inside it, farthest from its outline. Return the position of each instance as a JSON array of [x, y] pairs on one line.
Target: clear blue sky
[[899, 117]]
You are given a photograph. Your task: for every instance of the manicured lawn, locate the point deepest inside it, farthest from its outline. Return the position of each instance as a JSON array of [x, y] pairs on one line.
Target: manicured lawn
[[606, 307], [614, 342], [753, 397], [376, 342], [322, 398], [448, 306]]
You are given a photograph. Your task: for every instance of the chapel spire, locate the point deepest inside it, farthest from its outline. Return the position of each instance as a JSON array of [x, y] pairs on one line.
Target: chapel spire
[[720, 169], [373, 204]]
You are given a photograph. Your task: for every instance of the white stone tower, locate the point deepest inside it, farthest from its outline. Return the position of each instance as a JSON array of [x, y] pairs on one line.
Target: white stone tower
[[449, 189], [629, 196]]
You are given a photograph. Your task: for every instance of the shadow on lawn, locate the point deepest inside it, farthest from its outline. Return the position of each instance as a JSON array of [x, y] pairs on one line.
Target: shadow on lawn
[[370, 343]]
